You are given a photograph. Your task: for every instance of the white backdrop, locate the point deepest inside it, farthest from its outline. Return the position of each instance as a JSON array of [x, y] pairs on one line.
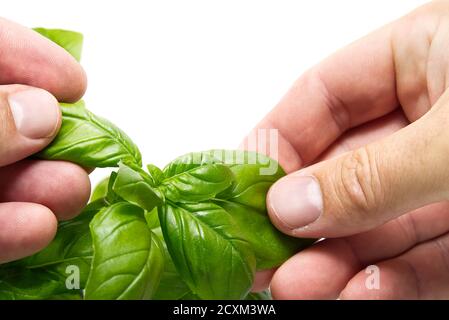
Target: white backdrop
[[181, 76]]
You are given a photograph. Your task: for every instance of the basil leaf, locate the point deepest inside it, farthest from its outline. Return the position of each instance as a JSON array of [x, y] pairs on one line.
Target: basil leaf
[[208, 251], [250, 186], [100, 190], [152, 219], [71, 41], [44, 274], [131, 186], [197, 184], [270, 246], [156, 174], [128, 258], [188, 162], [26, 284], [89, 140], [245, 200], [171, 286], [111, 196]]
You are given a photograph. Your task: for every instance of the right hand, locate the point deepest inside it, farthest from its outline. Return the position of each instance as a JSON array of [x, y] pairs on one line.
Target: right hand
[[364, 136]]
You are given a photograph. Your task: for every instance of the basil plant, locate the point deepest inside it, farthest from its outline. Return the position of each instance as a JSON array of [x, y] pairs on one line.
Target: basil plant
[[196, 229]]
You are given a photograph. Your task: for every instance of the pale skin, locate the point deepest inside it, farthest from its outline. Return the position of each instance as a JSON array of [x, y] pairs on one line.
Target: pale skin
[[370, 126]]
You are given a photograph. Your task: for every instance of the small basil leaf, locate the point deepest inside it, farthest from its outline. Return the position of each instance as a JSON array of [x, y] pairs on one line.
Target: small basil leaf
[[131, 186], [128, 258], [156, 174], [111, 196], [152, 219], [208, 251], [100, 190], [138, 168], [71, 41], [89, 140], [197, 184]]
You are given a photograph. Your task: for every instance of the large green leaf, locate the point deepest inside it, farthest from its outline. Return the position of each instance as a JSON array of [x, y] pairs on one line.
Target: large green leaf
[[128, 258], [207, 248], [197, 183], [245, 199], [270, 246], [250, 186], [27, 284], [89, 140], [254, 174], [187, 162], [69, 40]]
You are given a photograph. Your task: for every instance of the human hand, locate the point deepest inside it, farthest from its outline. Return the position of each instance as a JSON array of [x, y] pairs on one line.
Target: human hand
[[369, 127], [34, 74]]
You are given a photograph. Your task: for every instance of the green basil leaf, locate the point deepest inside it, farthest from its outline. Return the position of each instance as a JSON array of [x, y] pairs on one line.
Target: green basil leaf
[[111, 196], [89, 140], [71, 41], [250, 185], [245, 200], [197, 184], [171, 286], [101, 190], [27, 284], [138, 168], [270, 246], [131, 186], [128, 258], [188, 162], [208, 251], [152, 219], [156, 174]]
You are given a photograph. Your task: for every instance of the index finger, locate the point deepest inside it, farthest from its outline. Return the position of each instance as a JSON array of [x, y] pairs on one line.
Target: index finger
[[28, 58]]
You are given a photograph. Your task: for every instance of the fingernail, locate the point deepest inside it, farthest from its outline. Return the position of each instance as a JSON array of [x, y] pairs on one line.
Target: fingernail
[[35, 112], [296, 200]]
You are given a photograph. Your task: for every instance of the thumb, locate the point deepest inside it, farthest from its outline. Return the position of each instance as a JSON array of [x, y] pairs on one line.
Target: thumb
[[29, 120], [367, 187]]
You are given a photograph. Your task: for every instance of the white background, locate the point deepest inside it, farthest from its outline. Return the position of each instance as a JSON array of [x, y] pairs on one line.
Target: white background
[[181, 76]]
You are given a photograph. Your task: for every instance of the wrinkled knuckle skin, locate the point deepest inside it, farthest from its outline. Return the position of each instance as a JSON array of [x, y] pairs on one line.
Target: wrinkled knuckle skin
[[357, 186], [6, 122]]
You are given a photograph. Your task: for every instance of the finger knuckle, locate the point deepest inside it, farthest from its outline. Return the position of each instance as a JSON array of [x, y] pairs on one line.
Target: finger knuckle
[[442, 246], [358, 185]]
